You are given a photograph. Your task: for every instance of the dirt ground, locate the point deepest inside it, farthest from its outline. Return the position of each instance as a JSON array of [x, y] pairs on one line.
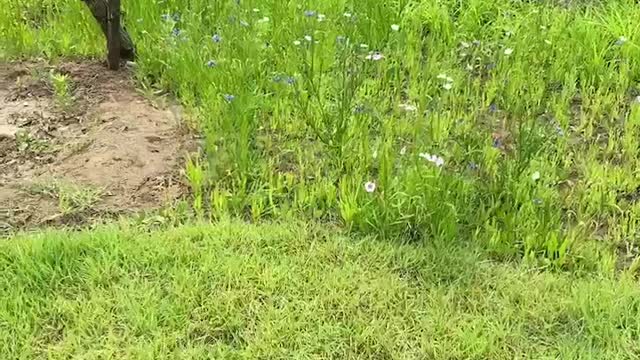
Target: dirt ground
[[78, 142]]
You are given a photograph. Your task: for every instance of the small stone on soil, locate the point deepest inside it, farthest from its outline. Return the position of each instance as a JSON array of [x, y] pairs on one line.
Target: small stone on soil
[[8, 131]]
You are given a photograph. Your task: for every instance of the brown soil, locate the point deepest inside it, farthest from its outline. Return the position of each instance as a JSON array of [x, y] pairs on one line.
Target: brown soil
[[109, 150]]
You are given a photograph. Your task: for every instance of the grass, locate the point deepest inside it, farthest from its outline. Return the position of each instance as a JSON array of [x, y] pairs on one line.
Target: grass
[[513, 124], [72, 198], [286, 291], [469, 170]]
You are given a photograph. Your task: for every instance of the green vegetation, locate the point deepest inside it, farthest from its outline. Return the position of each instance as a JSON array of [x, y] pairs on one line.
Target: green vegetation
[[477, 162], [238, 291], [513, 124]]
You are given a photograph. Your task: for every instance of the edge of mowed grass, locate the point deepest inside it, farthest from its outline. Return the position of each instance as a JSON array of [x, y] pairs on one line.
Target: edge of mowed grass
[[235, 290]]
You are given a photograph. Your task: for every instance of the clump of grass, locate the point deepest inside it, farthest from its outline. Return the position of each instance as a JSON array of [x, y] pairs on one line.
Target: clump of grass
[[72, 199]]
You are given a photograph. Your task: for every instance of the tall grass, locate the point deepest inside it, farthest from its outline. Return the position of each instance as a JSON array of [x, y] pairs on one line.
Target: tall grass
[[511, 123]]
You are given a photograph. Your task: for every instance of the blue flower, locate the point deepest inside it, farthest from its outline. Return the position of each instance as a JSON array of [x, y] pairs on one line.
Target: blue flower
[[309, 13], [165, 17], [359, 109], [176, 32], [216, 38], [473, 166], [289, 80], [176, 17], [212, 63], [493, 107], [229, 98], [277, 78]]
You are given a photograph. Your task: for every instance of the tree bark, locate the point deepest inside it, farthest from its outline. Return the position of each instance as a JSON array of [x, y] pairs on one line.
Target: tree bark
[[98, 9]]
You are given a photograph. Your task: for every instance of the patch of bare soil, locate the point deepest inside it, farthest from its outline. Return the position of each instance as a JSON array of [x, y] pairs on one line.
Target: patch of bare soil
[[78, 142]]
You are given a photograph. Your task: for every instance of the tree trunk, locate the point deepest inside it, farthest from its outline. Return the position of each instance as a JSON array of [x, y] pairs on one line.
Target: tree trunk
[[98, 9]]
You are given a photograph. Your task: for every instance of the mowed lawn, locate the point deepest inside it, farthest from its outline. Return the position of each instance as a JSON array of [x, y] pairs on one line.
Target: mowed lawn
[[240, 291]]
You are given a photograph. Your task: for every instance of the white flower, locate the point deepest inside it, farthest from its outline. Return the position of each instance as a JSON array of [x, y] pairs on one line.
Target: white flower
[[364, 46], [535, 176], [465, 44], [395, 27], [370, 187], [264, 20], [296, 43], [347, 15], [321, 17], [375, 56], [447, 86], [435, 159], [308, 38], [403, 150], [256, 10], [375, 154], [508, 51], [407, 107], [548, 42]]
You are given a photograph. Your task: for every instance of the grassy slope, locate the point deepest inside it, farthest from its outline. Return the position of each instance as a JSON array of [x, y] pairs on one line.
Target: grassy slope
[[240, 291]]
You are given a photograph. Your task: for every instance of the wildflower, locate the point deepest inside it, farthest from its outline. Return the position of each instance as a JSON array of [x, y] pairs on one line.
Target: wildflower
[[403, 150], [289, 80], [309, 13], [447, 86], [139, 20], [407, 107], [497, 142], [375, 56], [465, 44], [621, 40], [176, 17], [176, 32], [256, 10], [264, 20], [473, 166], [244, 23], [375, 154], [395, 27], [445, 77], [229, 98], [559, 131], [508, 51], [165, 17], [370, 187], [359, 109], [277, 78], [537, 202], [435, 159], [347, 15], [493, 108], [212, 63], [308, 38], [508, 33], [296, 42], [535, 176], [321, 17], [216, 38]]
